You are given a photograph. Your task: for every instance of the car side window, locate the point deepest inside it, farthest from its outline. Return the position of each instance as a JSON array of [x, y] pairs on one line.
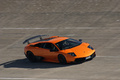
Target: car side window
[[40, 45], [50, 46]]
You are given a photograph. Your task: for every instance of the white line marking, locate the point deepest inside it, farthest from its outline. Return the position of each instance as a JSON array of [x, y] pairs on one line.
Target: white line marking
[[50, 28], [69, 28], [16, 78], [25, 28], [29, 79]]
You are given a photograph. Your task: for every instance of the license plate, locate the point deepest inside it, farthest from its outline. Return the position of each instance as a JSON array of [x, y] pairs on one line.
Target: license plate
[[88, 57]]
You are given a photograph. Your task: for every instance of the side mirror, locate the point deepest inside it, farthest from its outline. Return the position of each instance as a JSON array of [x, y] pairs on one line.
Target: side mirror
[[80, 40]]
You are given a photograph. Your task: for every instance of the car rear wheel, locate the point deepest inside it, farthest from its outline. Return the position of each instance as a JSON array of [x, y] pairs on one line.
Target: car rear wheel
[[31, 57], [62, 59]]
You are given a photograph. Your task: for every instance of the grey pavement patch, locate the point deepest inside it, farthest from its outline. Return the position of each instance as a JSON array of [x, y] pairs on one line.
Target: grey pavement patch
[[95, 21]]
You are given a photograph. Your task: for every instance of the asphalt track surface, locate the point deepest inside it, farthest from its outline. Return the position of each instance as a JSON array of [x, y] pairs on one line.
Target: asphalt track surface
[[95, 21]]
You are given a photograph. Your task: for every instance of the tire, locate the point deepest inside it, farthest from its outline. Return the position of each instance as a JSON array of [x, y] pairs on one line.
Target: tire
[[31, 57], [62, 59]]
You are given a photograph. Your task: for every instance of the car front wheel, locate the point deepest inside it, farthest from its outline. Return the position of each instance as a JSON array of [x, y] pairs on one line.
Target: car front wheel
[[62, 59]]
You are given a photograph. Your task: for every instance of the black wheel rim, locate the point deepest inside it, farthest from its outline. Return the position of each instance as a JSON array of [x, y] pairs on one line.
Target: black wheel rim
[[62, 59]]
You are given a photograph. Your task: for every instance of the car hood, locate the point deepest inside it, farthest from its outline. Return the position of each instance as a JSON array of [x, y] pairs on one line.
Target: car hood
[[80, 51]]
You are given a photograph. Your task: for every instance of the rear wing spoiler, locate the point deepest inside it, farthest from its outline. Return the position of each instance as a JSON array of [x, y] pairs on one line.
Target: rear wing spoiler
[[27, 40]]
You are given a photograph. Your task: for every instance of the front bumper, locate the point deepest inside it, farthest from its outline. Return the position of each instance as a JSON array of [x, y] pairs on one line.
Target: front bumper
[[79, 60]]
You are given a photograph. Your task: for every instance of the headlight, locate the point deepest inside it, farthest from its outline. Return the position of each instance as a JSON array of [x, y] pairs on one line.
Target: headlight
[[72, 54], [90, 47]]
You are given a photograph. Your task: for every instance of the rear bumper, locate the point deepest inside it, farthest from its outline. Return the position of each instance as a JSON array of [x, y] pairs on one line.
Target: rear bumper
[[79, 60]]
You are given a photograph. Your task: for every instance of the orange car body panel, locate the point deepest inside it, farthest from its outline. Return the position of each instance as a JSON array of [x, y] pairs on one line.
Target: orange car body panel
[[80, 51]]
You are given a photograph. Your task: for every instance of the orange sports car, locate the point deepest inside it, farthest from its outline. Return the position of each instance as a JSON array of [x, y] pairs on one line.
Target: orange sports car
[[58, 49]]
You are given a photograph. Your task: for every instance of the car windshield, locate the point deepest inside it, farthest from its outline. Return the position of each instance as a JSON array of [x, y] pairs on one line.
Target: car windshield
[[67, 44]]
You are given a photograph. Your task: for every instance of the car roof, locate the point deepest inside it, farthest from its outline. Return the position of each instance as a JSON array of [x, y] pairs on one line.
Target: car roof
[[51, 40], [57, 39]]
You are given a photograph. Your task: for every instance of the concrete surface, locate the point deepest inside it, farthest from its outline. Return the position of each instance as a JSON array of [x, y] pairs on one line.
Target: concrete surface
[[95, 21]]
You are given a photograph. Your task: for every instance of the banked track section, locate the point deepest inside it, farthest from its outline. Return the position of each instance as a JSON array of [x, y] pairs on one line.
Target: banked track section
[[95, 21]]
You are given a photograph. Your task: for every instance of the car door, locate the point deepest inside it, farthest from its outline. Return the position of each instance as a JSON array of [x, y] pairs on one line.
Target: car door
[[44, 50], [51, 52]]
